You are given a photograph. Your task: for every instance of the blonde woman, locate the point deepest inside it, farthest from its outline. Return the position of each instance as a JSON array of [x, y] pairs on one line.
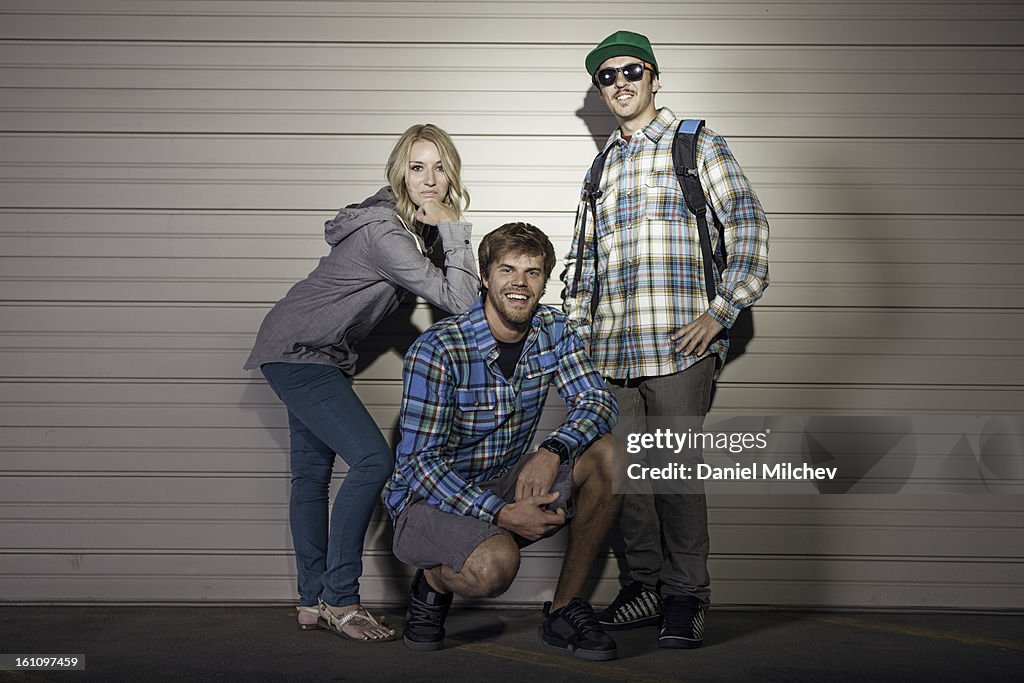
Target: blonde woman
[[305, 349]]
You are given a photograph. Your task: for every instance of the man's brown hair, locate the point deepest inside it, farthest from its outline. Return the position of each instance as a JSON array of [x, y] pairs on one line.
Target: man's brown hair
[[516, 238]]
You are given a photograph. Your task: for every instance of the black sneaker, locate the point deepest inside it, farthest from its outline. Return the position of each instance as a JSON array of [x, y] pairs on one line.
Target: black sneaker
[[424, 617], [575, 628], [636, 605], [683, 622]]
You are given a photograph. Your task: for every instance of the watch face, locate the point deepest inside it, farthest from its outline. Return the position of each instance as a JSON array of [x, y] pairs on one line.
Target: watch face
[[558, 448]]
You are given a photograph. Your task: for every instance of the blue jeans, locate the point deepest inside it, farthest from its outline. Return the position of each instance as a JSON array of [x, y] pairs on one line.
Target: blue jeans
[[325, 417]]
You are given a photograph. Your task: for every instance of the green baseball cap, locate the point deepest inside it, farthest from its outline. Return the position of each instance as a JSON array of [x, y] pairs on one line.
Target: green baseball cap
[[618, 44]]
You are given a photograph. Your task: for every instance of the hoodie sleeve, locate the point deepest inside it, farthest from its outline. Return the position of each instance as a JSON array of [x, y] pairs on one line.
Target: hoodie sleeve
[[397, 258]]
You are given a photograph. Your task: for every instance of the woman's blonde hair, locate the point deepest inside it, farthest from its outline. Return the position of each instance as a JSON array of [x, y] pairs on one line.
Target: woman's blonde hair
[[457, 198]]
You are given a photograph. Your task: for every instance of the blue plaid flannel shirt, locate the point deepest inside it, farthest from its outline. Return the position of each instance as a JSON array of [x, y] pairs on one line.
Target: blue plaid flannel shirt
[[462, 422]]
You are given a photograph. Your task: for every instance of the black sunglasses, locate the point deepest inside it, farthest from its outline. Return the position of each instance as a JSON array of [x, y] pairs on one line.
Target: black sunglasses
[[632, 72]]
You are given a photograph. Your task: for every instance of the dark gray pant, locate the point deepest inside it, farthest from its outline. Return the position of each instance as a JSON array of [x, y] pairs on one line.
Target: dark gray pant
[[666, 534]]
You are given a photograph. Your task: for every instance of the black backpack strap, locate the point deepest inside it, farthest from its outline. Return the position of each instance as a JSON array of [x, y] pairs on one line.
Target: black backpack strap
[[684, 157], [591, 193]]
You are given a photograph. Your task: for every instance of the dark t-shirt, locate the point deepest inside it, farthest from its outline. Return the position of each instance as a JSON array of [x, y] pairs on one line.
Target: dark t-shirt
[[508, 356]]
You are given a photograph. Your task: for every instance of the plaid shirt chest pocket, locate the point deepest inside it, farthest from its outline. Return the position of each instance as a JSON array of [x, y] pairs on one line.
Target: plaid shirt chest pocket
[[478, 413], [665, 200], [613, 231], [539, 372]]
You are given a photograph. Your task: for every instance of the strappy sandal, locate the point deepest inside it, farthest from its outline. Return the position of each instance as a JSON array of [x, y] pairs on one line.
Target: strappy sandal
[[308, 617], [335, 624]]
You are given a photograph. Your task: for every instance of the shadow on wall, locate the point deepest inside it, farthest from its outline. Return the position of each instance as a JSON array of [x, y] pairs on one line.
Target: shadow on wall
[[393, 334], [595, 116]]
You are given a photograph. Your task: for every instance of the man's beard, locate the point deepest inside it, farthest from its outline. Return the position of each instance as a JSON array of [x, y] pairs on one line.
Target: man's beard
[[513, 315]]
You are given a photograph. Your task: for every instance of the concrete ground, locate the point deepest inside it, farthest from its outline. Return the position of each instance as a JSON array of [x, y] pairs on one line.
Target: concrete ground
[[263, 644]]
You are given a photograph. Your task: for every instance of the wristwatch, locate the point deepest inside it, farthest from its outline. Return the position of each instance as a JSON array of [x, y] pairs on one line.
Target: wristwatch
[[558, 448]]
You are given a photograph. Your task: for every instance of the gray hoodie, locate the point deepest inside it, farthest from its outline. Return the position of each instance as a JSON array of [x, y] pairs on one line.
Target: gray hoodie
[[374, 260]]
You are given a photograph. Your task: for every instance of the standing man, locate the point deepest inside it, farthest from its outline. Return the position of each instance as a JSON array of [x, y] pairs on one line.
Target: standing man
[[643, 309], [466, 495]]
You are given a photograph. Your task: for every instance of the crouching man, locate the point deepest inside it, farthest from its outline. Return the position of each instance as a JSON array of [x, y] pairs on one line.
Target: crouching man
[[466, 495]]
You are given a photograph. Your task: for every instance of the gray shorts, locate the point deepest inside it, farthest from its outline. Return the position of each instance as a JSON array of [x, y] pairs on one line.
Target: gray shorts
[[426, 536]]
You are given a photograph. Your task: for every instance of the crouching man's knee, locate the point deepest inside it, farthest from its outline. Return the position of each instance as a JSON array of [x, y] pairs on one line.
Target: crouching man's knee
[[491, 567], [595, 466]]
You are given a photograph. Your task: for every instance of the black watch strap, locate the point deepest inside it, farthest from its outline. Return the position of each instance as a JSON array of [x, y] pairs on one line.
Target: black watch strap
[[558, 448]]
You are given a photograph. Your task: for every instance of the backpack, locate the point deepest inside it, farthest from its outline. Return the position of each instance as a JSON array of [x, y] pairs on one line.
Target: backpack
[[684, 158]]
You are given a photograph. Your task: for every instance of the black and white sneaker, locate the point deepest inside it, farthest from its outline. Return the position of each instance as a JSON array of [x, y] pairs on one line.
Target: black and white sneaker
[[425, 615], [636, 605], [683, 622], [574, 627]]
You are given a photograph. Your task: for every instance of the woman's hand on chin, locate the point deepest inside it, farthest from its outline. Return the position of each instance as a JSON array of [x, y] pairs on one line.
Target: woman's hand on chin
[[433, 212]]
